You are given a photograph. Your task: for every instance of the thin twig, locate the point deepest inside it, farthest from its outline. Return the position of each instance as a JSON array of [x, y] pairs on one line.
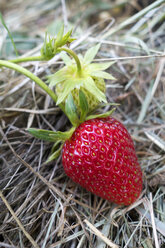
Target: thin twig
[[153, 222], [100, 235], [18, 221], [55, 190]]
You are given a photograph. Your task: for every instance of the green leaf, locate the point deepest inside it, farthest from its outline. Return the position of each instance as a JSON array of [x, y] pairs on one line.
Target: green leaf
[[68, 86], [66, 58], [91, 53], [59, 37], [90, 85], [100, 66], [102, 74], [71, 110], [83, 105], [55, 154], [10, 36], [56, 78], [50, 136], [104, 115]]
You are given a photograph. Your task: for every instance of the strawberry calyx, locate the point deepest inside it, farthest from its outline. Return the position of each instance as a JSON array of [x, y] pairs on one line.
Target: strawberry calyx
[[59, 137], [51, 136], [80, 74]]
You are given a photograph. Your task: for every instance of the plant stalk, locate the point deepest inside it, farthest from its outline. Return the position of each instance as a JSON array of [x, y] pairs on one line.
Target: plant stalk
[[74, 55], [26, 59], [30, 75]]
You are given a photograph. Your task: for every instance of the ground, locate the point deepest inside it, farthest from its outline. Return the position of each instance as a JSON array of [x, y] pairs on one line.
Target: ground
[[39, 205]]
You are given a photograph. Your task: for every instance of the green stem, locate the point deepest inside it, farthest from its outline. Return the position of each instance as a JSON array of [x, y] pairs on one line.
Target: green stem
[[26, 59], [30, 75], [74, 55]]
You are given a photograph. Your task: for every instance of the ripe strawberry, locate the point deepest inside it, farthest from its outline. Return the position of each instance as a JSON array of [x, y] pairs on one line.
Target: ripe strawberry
[[100, 156]]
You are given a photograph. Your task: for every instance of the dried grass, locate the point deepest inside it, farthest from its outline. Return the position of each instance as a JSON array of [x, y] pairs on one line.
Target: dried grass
[[39, 205]]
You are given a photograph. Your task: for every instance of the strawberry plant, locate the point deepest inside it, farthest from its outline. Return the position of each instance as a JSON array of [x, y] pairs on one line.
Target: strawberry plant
[[97, 152]]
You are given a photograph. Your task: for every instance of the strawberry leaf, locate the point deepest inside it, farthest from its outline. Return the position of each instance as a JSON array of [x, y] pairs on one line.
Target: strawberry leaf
[[71, 110], [91, 53], [102, 74], [90, 86]]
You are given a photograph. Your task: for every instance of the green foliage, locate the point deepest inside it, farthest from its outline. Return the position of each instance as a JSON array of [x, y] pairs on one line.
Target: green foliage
[[71, 110], [56, 151], [83, 105], [104, 115], [91, 53]]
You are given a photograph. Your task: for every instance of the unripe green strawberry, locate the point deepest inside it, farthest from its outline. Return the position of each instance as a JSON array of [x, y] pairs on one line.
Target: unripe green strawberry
[[100, 156], [93, 102], [89, 79]]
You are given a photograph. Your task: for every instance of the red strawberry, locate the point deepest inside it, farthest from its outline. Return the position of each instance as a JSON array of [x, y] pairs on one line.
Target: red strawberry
[[100, 156]]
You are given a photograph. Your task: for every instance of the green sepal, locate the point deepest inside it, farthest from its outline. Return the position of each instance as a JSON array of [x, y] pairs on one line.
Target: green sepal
[[102, 74], [71, 110], [46, 49], [51, 136], [90, 86], [57, 77], [104, 115], [100, 66], [91, 53], [102, 105], [56, 146], [67, 39], [55, 153], [83, 105], [59, 37], [68, 86]]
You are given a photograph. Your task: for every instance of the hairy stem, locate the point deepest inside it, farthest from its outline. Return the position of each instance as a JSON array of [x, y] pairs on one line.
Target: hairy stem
[[26, 59], [74, 55], [30, 75]]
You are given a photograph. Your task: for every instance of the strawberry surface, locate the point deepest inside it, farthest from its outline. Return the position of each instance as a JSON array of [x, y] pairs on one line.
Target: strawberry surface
[[100, 156]]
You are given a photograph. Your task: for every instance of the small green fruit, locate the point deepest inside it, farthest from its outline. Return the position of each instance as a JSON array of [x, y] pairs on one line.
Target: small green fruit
[[89, 79], [91, 99]]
